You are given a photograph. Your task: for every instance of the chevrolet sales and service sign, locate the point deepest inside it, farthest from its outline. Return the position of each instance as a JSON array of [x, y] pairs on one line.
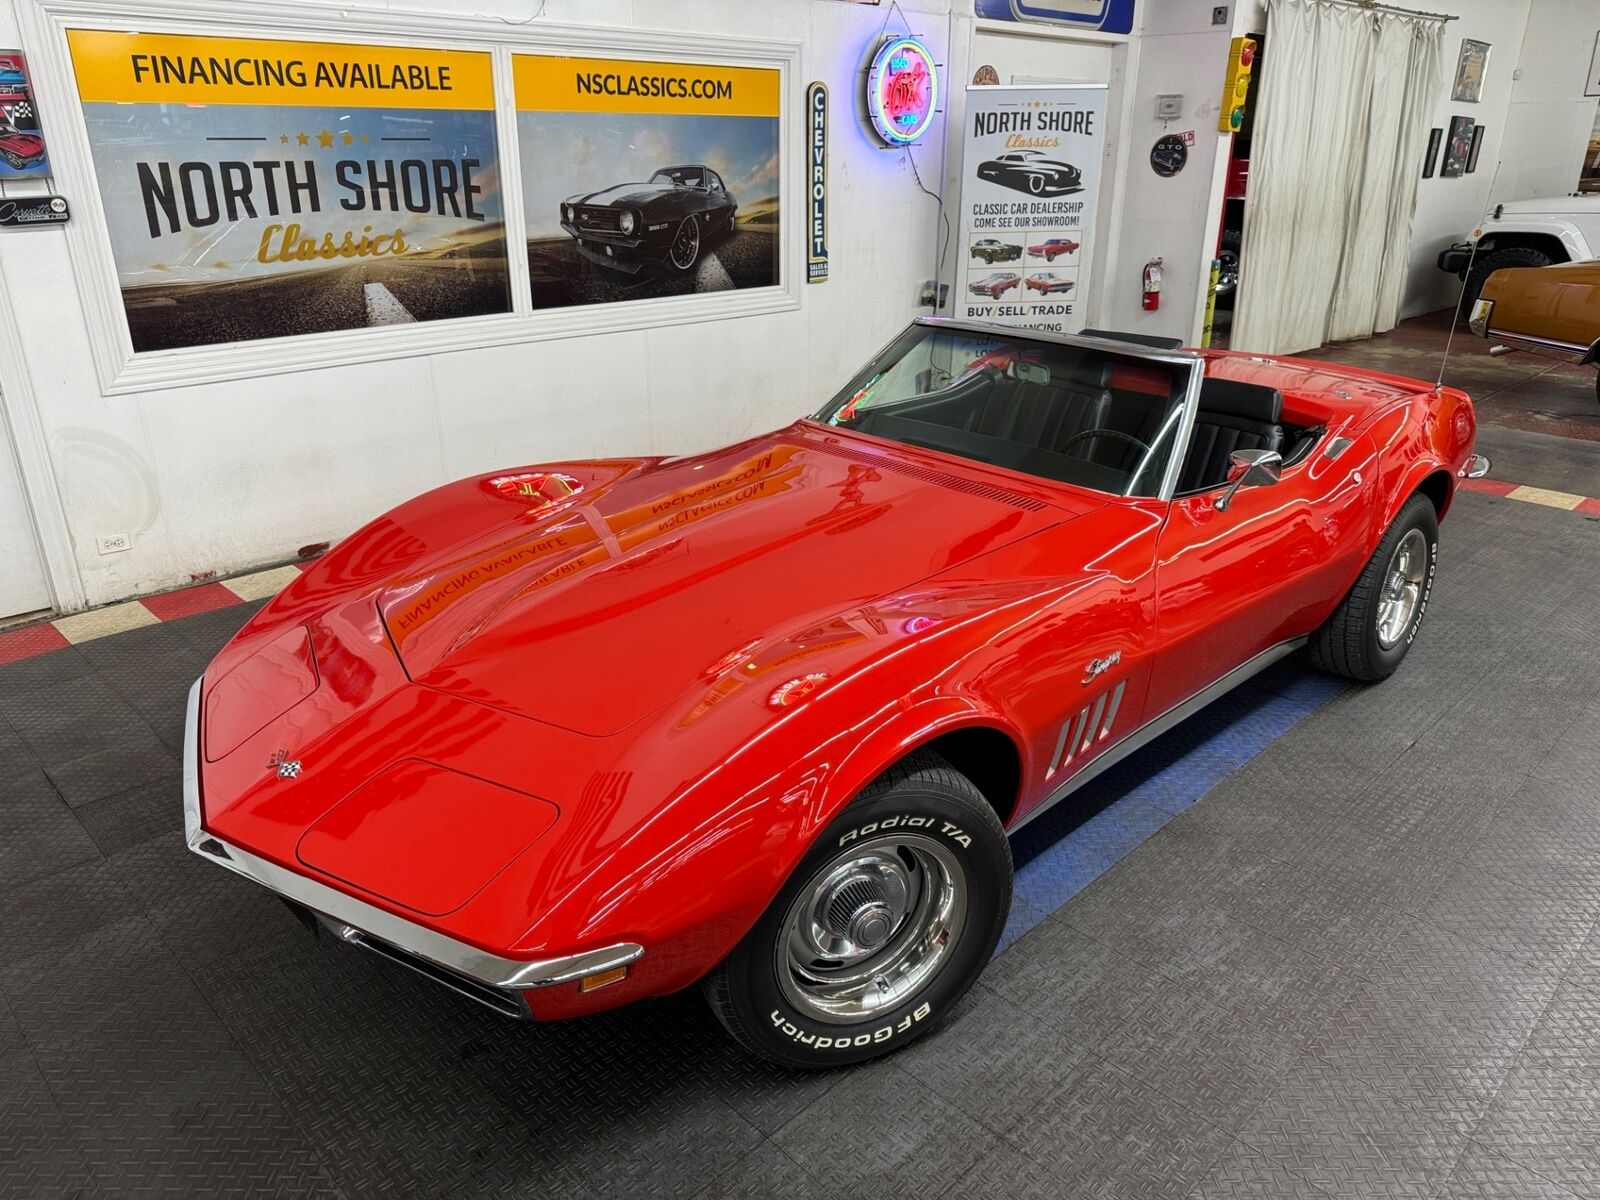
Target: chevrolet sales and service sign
[[1029, 177], [264, 188], [817, 182], [643, 179]]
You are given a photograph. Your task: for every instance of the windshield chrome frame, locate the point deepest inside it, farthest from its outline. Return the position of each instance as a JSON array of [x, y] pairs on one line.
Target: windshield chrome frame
[[1171, 358]]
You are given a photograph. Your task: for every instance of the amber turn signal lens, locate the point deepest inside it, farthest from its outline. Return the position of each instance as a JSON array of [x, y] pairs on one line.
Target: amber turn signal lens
[[600, 979]]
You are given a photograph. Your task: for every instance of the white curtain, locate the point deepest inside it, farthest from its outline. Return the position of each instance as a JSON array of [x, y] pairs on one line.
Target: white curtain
[[1345, 103]]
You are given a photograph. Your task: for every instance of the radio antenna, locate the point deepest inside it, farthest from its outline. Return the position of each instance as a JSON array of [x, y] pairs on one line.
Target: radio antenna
[[1472, 257]]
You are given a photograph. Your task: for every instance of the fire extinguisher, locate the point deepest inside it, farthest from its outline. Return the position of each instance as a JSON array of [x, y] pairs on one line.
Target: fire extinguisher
[[1152, 285]]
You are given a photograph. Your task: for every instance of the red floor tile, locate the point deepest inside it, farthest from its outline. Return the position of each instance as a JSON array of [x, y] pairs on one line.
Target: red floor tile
[[171, 605], [23, 643], [1495, 487], [1591, 506]]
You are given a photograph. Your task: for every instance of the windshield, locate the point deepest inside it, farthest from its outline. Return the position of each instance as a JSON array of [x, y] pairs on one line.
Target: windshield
[[680, 176], [1096, 418]]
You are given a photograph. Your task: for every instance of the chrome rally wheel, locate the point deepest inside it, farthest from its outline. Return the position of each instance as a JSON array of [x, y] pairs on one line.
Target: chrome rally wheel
[[1402, 588], [879, 930], [1372, 628], [872, 927]]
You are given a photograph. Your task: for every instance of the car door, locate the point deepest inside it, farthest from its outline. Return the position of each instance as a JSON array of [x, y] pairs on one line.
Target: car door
[[1232, 583]]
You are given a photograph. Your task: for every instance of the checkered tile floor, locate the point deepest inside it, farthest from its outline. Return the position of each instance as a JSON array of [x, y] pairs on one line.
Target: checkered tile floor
[[78, 628], [1366, 962]]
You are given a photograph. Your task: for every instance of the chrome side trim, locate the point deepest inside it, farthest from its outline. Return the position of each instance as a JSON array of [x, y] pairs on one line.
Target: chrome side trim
[[1549, 346], [448, 953], [1156, 726]]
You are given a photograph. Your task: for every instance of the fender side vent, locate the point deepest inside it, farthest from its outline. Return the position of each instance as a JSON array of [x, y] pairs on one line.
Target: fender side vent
[[942, 478], [1082, 730]]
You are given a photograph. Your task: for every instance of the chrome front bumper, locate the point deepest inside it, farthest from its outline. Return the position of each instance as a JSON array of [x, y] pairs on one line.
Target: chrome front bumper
[[363, 924]]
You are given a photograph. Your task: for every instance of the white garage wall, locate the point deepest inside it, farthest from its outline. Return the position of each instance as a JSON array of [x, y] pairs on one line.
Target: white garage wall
[[221, 477], [1180, 52], [1449, 209], [1550, 118]]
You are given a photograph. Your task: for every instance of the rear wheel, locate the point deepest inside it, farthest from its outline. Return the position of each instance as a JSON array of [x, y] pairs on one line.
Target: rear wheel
[[1369, 633], [883, 926]]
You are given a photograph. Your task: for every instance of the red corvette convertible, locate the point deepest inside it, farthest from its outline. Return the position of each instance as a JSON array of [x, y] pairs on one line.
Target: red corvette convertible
[[583, 733]]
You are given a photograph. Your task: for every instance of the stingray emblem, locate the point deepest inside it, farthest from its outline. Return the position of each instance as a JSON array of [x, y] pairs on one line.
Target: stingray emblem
[[287, 768], [1099, 666]]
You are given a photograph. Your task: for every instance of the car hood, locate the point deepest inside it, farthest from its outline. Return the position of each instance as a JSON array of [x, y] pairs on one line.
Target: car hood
[[633, 194], [1548, 205], [591, 617]]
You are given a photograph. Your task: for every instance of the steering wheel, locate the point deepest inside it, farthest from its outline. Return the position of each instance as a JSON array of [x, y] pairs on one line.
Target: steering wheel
[[1108, 433]]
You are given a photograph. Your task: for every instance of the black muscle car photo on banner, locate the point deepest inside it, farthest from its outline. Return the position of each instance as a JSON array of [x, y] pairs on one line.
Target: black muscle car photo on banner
[[646, 179]]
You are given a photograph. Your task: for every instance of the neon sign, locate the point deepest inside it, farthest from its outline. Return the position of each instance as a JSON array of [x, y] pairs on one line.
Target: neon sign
[[902, 90]]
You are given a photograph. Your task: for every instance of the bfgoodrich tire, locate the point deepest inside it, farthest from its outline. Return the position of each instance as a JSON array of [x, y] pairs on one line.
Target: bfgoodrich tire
[[883, 926], [1369, 633]]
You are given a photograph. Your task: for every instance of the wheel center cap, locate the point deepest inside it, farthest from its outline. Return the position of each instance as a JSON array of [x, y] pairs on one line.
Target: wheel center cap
[[871, 925]]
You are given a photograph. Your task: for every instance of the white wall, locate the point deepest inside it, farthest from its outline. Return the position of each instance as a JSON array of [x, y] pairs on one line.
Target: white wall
[[1175, 219], [1449, 209], [221, 477], [1550, 118]]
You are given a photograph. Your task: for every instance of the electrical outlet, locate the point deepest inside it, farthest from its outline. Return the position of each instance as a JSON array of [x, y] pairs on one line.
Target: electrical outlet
[[1219, 15], [113, 543], [1169, 108], [932, 294]]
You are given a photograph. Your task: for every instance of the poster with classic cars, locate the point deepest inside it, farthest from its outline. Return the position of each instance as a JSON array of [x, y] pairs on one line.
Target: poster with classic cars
[[647, 179], [1030, 173], [259, 188], [22, 149]]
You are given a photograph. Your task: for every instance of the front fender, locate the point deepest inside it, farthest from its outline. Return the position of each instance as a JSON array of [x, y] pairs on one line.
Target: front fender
[[749, 847]]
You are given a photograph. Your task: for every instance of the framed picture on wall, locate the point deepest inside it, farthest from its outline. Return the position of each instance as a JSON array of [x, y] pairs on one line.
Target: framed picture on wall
[[1477, 144], [1435, 136], [1591, 85], [1471, 63], [1456, 148]]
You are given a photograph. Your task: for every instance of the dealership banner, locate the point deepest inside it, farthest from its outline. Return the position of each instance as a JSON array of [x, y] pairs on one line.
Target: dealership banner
[[260, 188], [646, 179], [1029, 177]]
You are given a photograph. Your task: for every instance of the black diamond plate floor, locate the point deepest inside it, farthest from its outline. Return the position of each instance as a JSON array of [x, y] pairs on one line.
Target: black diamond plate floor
[[1365, 964]]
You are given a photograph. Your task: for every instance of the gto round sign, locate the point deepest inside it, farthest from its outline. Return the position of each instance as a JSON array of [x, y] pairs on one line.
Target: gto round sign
[[902, 90]]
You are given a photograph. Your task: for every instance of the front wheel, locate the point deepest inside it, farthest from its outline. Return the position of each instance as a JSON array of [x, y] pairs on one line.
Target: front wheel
[[1369, 633], [884, 925]]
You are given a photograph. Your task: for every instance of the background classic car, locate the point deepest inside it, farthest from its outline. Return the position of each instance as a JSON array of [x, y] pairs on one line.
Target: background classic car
[[667, 221], [996, 285], [1552, 310], [1030, 171], [993, 565], [18, 148], [1052, 248], [993, 250], [1049, 282]]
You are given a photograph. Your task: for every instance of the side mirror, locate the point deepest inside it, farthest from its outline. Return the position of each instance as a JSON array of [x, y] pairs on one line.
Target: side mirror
[[1251, 468]]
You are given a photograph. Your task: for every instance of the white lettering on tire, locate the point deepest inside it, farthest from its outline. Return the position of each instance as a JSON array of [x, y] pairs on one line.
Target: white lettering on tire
[[848, 1041], [954, 832]]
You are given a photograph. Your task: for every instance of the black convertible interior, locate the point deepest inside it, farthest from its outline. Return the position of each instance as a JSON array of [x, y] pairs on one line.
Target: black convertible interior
[[1103, 421]]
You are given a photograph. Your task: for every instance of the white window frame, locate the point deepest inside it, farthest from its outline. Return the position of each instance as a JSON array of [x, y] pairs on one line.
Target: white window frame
[[120, 370]]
